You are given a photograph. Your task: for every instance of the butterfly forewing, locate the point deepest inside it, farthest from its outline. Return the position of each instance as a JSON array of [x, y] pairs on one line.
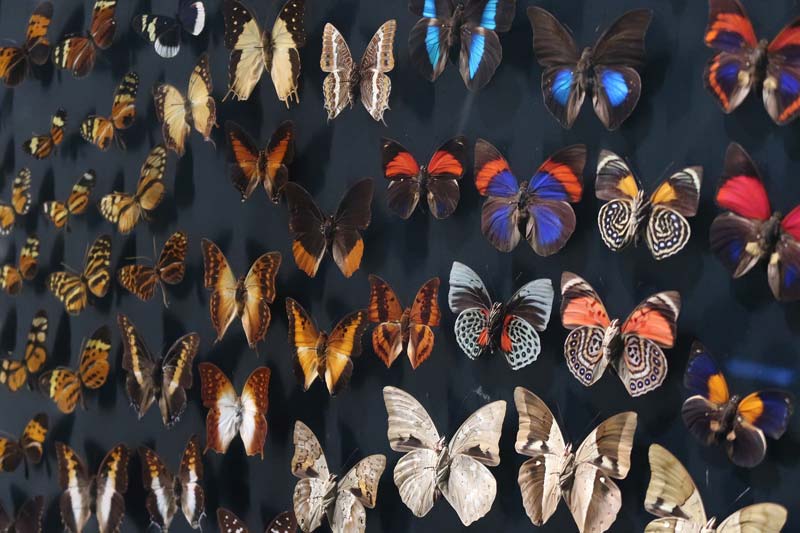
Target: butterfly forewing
[[343, 344], [378, 59]]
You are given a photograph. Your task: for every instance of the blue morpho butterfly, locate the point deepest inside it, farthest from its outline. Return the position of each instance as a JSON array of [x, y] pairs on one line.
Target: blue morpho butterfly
[[473, 23], [609, 67]]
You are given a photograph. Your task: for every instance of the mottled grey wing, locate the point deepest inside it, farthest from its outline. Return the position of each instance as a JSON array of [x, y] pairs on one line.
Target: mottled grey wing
[[337, 61], [378, 59]]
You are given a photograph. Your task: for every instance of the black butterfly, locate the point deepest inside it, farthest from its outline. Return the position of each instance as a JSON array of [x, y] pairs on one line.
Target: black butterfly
[[165, 32]]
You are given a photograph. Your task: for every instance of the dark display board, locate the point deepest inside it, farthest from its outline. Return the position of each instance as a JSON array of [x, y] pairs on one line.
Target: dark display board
[[676, 124]]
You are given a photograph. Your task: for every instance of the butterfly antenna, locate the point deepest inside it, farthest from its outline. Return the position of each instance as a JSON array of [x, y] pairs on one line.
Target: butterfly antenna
[[706, 477], [592, 421], [664, 172], [67, 267], [349, 457], [741, 495], [561, 419], [163, 294], [155, 253]]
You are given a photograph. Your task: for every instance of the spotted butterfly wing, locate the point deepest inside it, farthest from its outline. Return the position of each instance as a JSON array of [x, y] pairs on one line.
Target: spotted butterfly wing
[[78, 53], [41, 146], [254, 167], [230, 523], [20, 202], [13, 276], [59, 213], [73, 289], [165, 32], [15, 373], [15, 61], [29, 447], [142, 280], [28, 519]]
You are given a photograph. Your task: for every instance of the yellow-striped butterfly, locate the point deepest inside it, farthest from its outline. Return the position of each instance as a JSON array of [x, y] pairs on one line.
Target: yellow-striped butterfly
[[73, 289]]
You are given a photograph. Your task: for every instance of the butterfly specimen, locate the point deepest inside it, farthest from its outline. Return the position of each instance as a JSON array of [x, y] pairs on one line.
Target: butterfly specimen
[[168, 492], [621, 219], [28, 448], [633, 348], [473, 23], [142, 280], [16, 61], [319, 354], [28, 519], [608, 68], [344, 75], [73, 289], [673, 496], [65, 386], [150, 380], [433, 466], [41, 146], [483, 326], [20, 202], [174, 110], [714, 416], [438, 180], [100, 130], [583, 478], [11, 276], [14, 373], [254, 51], [543, 202], [125, 210], [319, 493], [314, 233], [165, 32], [253, 167], [59, 213], [106, 490], [230, 523], [78, 53], [247, 297], [229, 414]]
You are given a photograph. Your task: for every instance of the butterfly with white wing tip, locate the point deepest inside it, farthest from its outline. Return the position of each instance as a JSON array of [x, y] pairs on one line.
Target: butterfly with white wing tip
[[59, 213], [230, 523], [165, 32], [41, 146]]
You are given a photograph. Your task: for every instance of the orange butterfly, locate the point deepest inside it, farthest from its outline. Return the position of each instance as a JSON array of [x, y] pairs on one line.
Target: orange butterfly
[[78, 53], [20, 202], [15, 372], [73, 289], [59, 213], [29, 447], [141, 280], [15, 61], [41, 146], [254, 167], [101, 130], [11, 276]]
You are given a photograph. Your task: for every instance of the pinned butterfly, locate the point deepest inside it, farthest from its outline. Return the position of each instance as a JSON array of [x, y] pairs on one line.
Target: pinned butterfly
[[12, 276], [20, 202], [253, 167], [28, 518], [16, 61], [42, 146], [15, 373], [60, 213], [78, 53], [165, 33], [73, 289], [101, 130], [230, 523], [142, 280], [28, 448]]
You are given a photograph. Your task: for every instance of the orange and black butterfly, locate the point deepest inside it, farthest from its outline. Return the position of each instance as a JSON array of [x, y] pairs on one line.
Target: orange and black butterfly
[[20, 202], [28, 448], [28, 519], [399, 328], [41, 146], [228, 522], [247, 297], [100, 130], [78, 53], [254, 167], [65, 386], [125, 210], [314, 232], [11, 276], [15, 61], [59, 213], [141, 280], [73, 289], [14, 373], [318, 354]]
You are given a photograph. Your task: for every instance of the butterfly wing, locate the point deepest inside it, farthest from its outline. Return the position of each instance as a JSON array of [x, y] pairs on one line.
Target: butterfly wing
[[357, 489], [286, 522], [255, 401], [111, 484], [761, 517], [230, 523], [424, 315], [378, 59], [160, 501], [37, 45], [431, 37], [74, 481], [221, 400], [220, 280], [171, 264], [702, 411], [171, 108], [29, 258], [29, 517], [139, 280], [305, 223], [481, 51], [310, 466], [288, 34], [259, 293], [13, 373], [337, 61], [123, 109], [77, 54], [41, 146], [201, 102], [469, 298], [33, 437], [243, 38], [500, 214], [164, 33], [784, 264], [278, 155], [69, 289], [190, 475], [344, 343], [402, 171], [78, 201], [246, 171], [617, 219], [303, 339], [176, 377], [352, 215], [385, 311], [527, 313], [446, 167], [765, 412], [96, 270], [781, 86], [671, 491], [672, 202]]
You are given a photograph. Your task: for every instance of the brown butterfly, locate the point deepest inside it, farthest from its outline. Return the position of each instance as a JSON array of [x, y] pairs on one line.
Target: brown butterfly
[[141, 280], [228, 522], [247, 297], [78, 53], [59, 213], [15, 61], [73, 289], [174, 110], [29, 447], [28, 519], [314, 232], [100, 130], [14, 373], [317, 354], [41, 146], [125, 210], [65, 386], [254, 167], [11, 276], [20, 202]]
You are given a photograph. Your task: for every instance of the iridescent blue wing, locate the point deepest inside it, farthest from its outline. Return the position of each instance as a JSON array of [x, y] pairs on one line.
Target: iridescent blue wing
[[481, 52], [781, 88], [500, 213], [431, 37]]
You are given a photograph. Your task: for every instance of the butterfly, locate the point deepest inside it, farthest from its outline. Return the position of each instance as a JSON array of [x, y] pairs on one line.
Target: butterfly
[[749, 231], [714, 416], [438, 180], [150, 380], [11, 276], [634, 348], [247, 298], [483, 326], [543, 201], [475, 23], [141, 280], [14, 373], [41, 146], [621, 219], [59, 213], [100, 130], [28, 519], [314, 233], [65, 386], [253, 167], [125, 210], [254, 51], [609, 67], [106, 490], [673, 496], [73, 289], [28, 448], [78, 53], [318, 354], [20, 202], [165, 32], [230, 523], [433, 467], [399, 328], [344, 500], [229, 414], [15, 61], [174, 109], [344, 75], [167, 492], [584, 478]]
